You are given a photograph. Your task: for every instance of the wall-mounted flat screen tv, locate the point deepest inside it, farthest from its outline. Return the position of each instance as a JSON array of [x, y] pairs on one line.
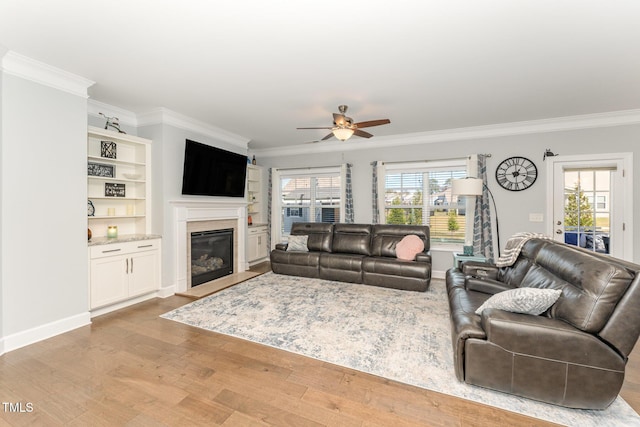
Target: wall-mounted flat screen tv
[[211, 171]]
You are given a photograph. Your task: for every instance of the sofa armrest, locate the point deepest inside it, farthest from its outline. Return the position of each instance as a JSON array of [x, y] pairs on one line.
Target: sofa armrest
[[423, 257], [480, 269], [486, 286], [282, 246], [547, 338]]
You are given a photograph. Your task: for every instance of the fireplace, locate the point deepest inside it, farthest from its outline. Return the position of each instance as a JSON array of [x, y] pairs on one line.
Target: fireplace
[[211, 255], [195, 216]]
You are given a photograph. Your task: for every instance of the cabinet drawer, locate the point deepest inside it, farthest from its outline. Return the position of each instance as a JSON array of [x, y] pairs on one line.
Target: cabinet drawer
[[258, 230], [113, 249]]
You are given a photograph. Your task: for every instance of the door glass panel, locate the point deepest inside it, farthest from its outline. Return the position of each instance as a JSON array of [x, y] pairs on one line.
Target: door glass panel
[[587, 208]]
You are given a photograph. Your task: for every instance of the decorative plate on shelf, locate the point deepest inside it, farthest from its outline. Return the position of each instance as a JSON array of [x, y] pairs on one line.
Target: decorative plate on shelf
[[91, 210]]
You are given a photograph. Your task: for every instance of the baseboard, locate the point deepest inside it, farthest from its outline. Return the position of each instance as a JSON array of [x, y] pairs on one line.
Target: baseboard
[[122, 304], [42, 332], [166, 292], [438, 274], [160, 293]]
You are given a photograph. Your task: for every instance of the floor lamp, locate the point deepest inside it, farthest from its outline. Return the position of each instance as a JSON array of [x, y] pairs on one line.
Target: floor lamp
[[474, 187]]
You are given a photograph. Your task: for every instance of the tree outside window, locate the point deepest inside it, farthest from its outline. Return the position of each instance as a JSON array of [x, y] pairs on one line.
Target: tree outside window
[[578, 210]]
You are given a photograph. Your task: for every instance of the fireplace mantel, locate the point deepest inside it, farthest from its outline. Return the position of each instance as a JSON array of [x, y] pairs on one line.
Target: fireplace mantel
[[186, 211]]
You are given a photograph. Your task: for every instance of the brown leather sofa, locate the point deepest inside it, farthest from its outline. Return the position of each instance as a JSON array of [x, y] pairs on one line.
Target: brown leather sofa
[[572, 355], [356, 253]]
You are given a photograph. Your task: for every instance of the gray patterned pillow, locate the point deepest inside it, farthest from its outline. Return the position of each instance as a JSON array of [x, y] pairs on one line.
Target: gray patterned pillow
[[297, 244], [522, 300]]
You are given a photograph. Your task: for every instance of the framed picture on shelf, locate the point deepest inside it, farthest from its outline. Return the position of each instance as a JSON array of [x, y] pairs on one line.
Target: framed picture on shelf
[[102, 170], [108, 149], [114, 190]]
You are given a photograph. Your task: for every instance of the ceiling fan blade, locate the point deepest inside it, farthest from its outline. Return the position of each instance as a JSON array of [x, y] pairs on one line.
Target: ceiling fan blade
[[327, 137], [325, 127], [373, 123], [362, 133]]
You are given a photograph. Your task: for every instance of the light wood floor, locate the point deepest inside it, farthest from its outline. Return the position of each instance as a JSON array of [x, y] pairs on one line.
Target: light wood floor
[[133, 368]]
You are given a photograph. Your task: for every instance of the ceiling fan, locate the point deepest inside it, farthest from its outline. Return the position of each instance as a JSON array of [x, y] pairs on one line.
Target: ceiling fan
[[344, 127]]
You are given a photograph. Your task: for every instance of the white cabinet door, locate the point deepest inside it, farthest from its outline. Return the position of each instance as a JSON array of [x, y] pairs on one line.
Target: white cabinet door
[[143, 273], [122, 271], [257, 244], [109, 280], [262, 245], [252, 247]]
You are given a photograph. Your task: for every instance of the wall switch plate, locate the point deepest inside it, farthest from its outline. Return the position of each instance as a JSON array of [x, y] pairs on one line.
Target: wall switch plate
[[536, 217]]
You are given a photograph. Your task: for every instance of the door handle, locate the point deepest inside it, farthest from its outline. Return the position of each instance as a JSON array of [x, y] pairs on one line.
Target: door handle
[[127, 269], [558, 231], [131, 265]]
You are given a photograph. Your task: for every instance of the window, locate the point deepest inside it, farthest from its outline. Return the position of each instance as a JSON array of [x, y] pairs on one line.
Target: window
[[294, 212], [310, 196], [421, 194]]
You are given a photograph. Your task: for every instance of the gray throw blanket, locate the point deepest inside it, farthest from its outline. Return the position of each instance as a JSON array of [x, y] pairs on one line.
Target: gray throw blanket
[[514, 246]]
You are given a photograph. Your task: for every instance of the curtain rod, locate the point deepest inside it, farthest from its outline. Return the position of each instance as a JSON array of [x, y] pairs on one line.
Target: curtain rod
[[430, 160], [308, 168]]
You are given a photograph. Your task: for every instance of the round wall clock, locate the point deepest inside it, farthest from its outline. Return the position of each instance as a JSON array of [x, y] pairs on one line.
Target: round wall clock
[[91, 210], [516, 173]]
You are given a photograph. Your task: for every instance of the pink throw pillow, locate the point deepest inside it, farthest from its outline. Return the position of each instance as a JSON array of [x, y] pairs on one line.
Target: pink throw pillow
[[409, 247]]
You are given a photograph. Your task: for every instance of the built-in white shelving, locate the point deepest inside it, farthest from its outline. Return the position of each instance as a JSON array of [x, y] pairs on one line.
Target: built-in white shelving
[[125, 269], [256, 209], [118, 182]]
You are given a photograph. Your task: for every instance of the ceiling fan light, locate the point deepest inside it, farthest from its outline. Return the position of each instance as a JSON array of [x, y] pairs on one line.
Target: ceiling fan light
[[343, 133]]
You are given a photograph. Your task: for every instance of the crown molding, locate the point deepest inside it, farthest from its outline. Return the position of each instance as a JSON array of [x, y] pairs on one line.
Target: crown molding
[[168, 117], [94, 108], [29, 69], [558, 124]]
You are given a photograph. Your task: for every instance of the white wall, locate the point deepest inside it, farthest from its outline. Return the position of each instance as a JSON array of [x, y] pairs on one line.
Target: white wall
[[513, 207], [43, 195], [2, 52]]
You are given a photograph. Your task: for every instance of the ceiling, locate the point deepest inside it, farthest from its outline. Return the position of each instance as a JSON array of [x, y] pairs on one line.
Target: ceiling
[[260, 69]]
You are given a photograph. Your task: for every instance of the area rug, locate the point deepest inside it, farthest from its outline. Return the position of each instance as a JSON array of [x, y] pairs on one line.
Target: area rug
[[403, 336]]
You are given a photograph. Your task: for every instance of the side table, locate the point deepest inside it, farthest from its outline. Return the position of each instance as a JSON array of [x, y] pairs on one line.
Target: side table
[[458, 258]]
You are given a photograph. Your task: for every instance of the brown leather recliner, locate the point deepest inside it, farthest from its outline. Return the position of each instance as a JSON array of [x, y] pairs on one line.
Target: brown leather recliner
[[572, 355], [356, 253]]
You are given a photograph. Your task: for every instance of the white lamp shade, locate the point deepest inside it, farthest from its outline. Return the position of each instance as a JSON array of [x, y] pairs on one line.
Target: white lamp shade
[[342, 133], [467, 187]]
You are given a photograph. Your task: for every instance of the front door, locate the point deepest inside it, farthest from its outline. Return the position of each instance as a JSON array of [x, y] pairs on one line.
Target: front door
[[589, 203]]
